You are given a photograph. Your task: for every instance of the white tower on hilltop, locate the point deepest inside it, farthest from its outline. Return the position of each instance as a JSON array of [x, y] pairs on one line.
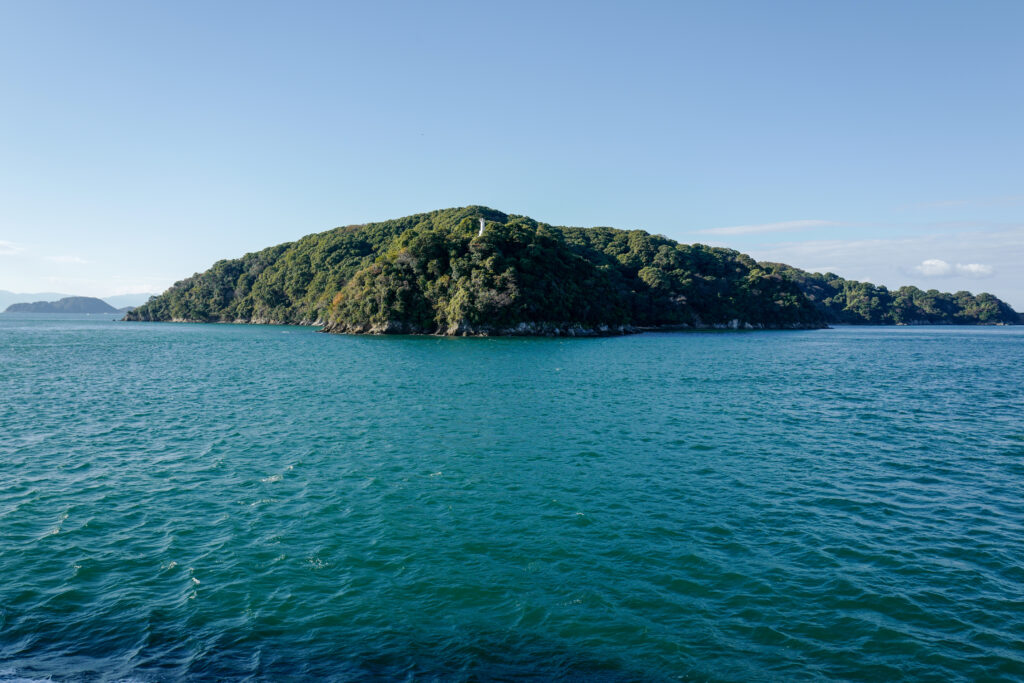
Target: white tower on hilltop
[[481, 233]]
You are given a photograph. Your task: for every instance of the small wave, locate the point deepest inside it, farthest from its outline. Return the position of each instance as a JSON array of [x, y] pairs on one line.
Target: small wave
[[316, 563], [11, 676], [60, 525]]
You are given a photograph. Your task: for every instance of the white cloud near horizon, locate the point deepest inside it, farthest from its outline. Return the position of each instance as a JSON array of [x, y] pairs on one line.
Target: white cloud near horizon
[[934, 267], [975, 269], [767, 227], [990, 256]]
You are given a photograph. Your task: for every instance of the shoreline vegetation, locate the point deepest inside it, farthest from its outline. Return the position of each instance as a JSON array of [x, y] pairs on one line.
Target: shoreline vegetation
[[436, 273]]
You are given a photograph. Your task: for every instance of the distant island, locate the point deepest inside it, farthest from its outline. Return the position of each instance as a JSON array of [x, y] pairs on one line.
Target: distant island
[[70, 304], [478, 271]]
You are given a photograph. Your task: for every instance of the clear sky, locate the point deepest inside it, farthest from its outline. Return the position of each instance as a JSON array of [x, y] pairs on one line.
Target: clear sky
[[142, 141]]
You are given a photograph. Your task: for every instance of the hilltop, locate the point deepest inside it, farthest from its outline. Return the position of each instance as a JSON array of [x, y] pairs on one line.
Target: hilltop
[[432, 273]]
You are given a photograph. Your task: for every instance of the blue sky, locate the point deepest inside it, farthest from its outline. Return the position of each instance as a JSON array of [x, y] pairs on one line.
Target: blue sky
[[140, 142]]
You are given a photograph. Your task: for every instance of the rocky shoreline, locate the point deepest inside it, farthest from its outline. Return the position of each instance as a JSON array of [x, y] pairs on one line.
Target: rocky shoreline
[[523, 329], [547, 329]]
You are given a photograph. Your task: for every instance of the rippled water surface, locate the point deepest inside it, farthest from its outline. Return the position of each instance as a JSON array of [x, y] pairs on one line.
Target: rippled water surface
[[214, 501]]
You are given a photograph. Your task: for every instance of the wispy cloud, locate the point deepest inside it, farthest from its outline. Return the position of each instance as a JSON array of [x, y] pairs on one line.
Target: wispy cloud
[[10, 248], [66, 259], [784, 226]]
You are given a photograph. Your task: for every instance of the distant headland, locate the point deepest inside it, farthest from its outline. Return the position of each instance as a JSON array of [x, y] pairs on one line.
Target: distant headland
[[478, 271], [70, 304]]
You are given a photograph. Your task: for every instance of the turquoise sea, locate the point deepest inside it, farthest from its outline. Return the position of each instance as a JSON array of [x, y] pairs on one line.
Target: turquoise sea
[[215, 502]]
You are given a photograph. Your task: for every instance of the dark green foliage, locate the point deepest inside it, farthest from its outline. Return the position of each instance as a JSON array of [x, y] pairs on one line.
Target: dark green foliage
[[862, 303], [290, 283], [521, 271], [450, 280], [672, 283], [431, 273]]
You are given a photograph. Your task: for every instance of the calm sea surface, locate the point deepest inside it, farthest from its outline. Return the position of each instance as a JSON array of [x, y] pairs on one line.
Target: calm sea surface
[[215, 501]]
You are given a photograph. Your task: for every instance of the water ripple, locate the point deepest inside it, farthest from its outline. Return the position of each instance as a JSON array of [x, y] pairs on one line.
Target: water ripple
[[207, 502]]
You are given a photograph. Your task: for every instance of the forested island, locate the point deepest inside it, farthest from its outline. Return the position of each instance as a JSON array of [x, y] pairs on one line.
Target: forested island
[[70, 304], [436, 273]]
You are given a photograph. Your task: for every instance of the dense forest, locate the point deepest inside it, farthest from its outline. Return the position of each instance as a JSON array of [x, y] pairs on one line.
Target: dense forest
[[433, 273], [862, 303]]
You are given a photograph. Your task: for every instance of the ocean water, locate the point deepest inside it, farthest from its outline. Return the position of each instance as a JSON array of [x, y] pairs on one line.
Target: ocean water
[[271, 503]]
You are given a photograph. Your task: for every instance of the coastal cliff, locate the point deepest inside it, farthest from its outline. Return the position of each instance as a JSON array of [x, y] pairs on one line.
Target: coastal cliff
[[437, 273]]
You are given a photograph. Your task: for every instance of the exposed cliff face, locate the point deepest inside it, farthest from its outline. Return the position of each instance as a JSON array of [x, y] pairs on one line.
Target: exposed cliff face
[[438, 273]]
